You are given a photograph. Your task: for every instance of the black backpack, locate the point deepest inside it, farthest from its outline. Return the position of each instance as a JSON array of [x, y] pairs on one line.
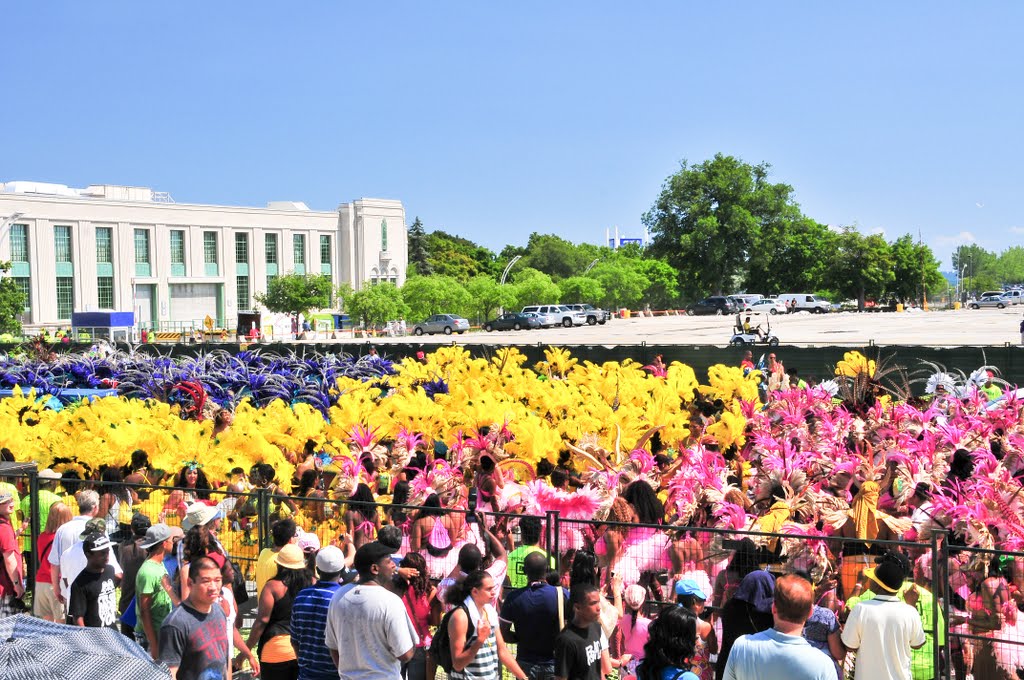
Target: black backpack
[[441, 645]]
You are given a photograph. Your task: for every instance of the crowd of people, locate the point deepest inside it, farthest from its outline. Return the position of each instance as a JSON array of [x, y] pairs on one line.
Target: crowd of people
[[791, 534]]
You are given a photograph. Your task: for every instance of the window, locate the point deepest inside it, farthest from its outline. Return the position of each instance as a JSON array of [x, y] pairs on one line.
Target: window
[[384, 235], [325, 249], [62, 246], [299, 247], [105, 292], [65, 296], [242, 291], [270, 248], [270, 277], [177, 247], [104, 245], [24, 285], [242, 248], [19, 243], [141, 246], [210, 253]]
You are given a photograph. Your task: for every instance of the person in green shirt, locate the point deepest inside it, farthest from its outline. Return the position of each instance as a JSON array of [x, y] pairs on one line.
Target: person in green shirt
[[154, 595], [530, 527], [990, 389], [47, 483]]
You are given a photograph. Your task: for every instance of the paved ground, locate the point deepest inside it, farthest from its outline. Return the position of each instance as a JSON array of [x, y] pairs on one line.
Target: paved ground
[[942, 328]]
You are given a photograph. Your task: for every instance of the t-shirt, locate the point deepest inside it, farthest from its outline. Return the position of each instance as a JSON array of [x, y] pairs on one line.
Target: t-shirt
[[883, 630], [370, 628], [578, 652], [94, 598], [533, 612], [771, 655], [150, 581], [676, 673], [73, 561], [266, 569], [309, 621], [8, 544], [132, 558], [516, 577], [195, 642], [65, 537], [46, 499]]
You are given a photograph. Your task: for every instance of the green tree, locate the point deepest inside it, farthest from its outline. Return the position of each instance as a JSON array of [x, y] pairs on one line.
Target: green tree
[[1009, 266], [427, 295], [486, 297], [577, 289], [709, 217], [790, 257], [662, 290], [533, 287], [458, 257], [343, 293], [860, 266], [419, 258], [296, 294], [374, 306], [977, 268], [12, 302], [623, 285], [554, 256], [915, 270]]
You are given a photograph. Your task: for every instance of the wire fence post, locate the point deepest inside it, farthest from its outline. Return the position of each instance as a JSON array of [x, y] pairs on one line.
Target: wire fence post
[[263, 516], [33, 511]]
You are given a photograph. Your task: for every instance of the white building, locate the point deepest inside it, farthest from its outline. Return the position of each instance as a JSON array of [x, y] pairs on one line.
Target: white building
[[122, 248]]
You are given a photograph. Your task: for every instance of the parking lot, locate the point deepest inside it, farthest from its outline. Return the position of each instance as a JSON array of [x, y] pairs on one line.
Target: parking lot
[[938, 328]]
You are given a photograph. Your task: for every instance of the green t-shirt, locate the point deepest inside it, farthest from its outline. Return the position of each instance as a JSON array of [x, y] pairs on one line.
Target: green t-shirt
[[46, 499], [516, 577], [149, 581]]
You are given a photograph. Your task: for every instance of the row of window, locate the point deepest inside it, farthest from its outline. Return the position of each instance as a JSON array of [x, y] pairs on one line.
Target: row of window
[[105, 249]]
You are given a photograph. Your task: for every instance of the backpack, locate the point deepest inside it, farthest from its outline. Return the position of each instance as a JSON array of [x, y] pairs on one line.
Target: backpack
[[441, 644]]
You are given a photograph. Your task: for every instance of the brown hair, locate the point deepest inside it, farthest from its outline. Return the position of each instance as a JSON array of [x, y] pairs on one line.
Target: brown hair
[[59, 515], [794, 597]]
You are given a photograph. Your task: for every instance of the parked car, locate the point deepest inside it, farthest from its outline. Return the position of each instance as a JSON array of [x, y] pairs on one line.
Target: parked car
[[513, 321], [716, 304], [766, 306], [1014, 296], [741, 304], [442, 323], [997, 301], [594, 315], [556, 315]]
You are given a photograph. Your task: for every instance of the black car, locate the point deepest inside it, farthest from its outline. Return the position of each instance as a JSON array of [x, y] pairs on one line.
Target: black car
[[716, 304], [513, 321]]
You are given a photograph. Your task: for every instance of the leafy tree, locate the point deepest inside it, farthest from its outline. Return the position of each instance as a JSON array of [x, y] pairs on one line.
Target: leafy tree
[[914, 269], [374, 306], [1010, 265], [860, 266], [978, 267], [554, 256], [623, 285], [343, 293], [12, 302], [296, 294], [427, 295], [486, 297], [662, 290], [419, 259], [790, 257], [533, 287], [458, 257], [709, 217], [581, 289]]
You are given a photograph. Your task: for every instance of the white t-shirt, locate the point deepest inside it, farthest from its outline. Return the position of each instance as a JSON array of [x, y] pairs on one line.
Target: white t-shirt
[[73, 561], [883, 630], [370, 627], [65, 537]]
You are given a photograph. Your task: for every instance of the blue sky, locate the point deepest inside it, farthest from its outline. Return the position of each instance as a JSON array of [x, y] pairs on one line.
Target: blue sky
[[494, 121]]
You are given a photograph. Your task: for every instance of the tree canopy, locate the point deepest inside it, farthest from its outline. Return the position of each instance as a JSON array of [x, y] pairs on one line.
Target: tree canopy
[[12, 302], [374, 306], [296, 294]]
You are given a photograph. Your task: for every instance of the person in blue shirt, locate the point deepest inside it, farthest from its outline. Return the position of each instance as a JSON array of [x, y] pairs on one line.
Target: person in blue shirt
[[669, 650], [309, 617], [781, 653], [532, 611]]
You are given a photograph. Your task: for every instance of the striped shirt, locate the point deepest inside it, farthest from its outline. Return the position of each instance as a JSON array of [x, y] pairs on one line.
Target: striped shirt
[[309, 621], [484, 665]]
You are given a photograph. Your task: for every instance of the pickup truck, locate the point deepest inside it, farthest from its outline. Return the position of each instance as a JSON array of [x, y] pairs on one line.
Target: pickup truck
[[593, 314]]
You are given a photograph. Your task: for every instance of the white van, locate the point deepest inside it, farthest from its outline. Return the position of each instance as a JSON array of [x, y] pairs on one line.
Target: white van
[[805, 302]]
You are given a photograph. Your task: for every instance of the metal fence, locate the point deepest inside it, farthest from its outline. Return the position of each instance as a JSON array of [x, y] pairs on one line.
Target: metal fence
[[970, 600]]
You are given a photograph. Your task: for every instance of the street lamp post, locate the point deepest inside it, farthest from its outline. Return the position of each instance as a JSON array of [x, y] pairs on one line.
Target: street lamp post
[[591, 266], [504, 275]]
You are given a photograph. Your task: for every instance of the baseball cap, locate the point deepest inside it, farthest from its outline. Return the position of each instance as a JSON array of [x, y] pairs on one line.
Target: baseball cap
[[96, 543], [48, 474], [369, 555], [6, 497], [96, 525], [156, 534], [308, 541], [330, 560], [688, 586], [140, 524]]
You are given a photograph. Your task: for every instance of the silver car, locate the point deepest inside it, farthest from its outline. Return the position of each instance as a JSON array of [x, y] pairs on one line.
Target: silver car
[[997, 301], [442, 323]]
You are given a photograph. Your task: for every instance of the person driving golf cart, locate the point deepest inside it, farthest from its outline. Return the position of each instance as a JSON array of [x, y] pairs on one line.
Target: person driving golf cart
[[750, 329]]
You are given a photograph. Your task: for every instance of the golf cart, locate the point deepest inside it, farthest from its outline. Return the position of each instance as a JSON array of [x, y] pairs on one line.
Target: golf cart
[[754, 337]]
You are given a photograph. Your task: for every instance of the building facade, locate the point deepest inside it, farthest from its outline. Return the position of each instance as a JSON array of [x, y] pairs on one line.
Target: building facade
[[130, 248]]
